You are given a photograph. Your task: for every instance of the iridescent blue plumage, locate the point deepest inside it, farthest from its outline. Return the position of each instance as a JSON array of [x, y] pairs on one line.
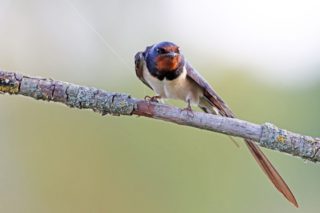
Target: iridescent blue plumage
[[164, 60]]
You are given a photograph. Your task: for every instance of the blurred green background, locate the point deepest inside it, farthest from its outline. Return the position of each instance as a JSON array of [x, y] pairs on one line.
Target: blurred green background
[[261, 56]]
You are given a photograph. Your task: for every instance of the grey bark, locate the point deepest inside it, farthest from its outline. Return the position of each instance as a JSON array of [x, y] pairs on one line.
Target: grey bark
[[266, 135]]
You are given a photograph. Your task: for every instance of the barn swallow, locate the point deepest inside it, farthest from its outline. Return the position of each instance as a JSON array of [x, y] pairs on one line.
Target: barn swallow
[[164, 69]]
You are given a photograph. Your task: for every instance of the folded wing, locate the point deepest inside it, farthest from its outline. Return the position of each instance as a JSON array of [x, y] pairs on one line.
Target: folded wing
[[215, 101]]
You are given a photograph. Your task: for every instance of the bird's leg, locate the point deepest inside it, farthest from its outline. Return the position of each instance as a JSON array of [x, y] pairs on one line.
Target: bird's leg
[[188, 109], [153, 98]]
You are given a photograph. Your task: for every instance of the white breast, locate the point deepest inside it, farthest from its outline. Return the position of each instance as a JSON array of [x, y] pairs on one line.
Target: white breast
[[156, 84], [183, 88], [180, 88]]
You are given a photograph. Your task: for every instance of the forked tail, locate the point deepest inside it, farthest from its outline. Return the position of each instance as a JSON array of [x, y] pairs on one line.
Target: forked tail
[[215, 106], [271, 172]]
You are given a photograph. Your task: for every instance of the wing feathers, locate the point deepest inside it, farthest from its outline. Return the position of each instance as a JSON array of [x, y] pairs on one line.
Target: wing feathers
[[215, 101], [139, 62]]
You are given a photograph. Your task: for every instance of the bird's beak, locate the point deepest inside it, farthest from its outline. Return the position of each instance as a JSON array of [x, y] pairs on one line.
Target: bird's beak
[[172, 54]]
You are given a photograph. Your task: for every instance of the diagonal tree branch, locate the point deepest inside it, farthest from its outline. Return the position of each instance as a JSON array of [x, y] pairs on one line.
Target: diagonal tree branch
[[82, 97]]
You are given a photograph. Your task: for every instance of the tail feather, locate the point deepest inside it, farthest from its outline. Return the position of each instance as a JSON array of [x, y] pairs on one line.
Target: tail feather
[[266, 166], [271, 172]]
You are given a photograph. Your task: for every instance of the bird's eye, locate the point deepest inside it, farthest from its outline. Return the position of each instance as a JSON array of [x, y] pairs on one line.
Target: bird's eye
[[161, 50]]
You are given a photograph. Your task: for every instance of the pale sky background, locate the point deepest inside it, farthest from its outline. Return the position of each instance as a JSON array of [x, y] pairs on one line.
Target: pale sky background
[[279, 38], [271, 39]]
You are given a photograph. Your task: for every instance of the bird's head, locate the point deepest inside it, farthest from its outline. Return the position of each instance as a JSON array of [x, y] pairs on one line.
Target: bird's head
[[165, 57]]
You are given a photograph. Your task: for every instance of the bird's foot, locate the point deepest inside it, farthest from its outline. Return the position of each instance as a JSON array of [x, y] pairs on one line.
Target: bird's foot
[[189, 110], [152, 99]]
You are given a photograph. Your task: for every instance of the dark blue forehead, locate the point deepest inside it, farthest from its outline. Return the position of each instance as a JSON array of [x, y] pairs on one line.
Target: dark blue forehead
[[164, 44], [151, 51]]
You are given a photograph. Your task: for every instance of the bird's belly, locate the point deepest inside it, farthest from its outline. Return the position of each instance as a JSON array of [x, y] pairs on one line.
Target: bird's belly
[[182, 88]]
